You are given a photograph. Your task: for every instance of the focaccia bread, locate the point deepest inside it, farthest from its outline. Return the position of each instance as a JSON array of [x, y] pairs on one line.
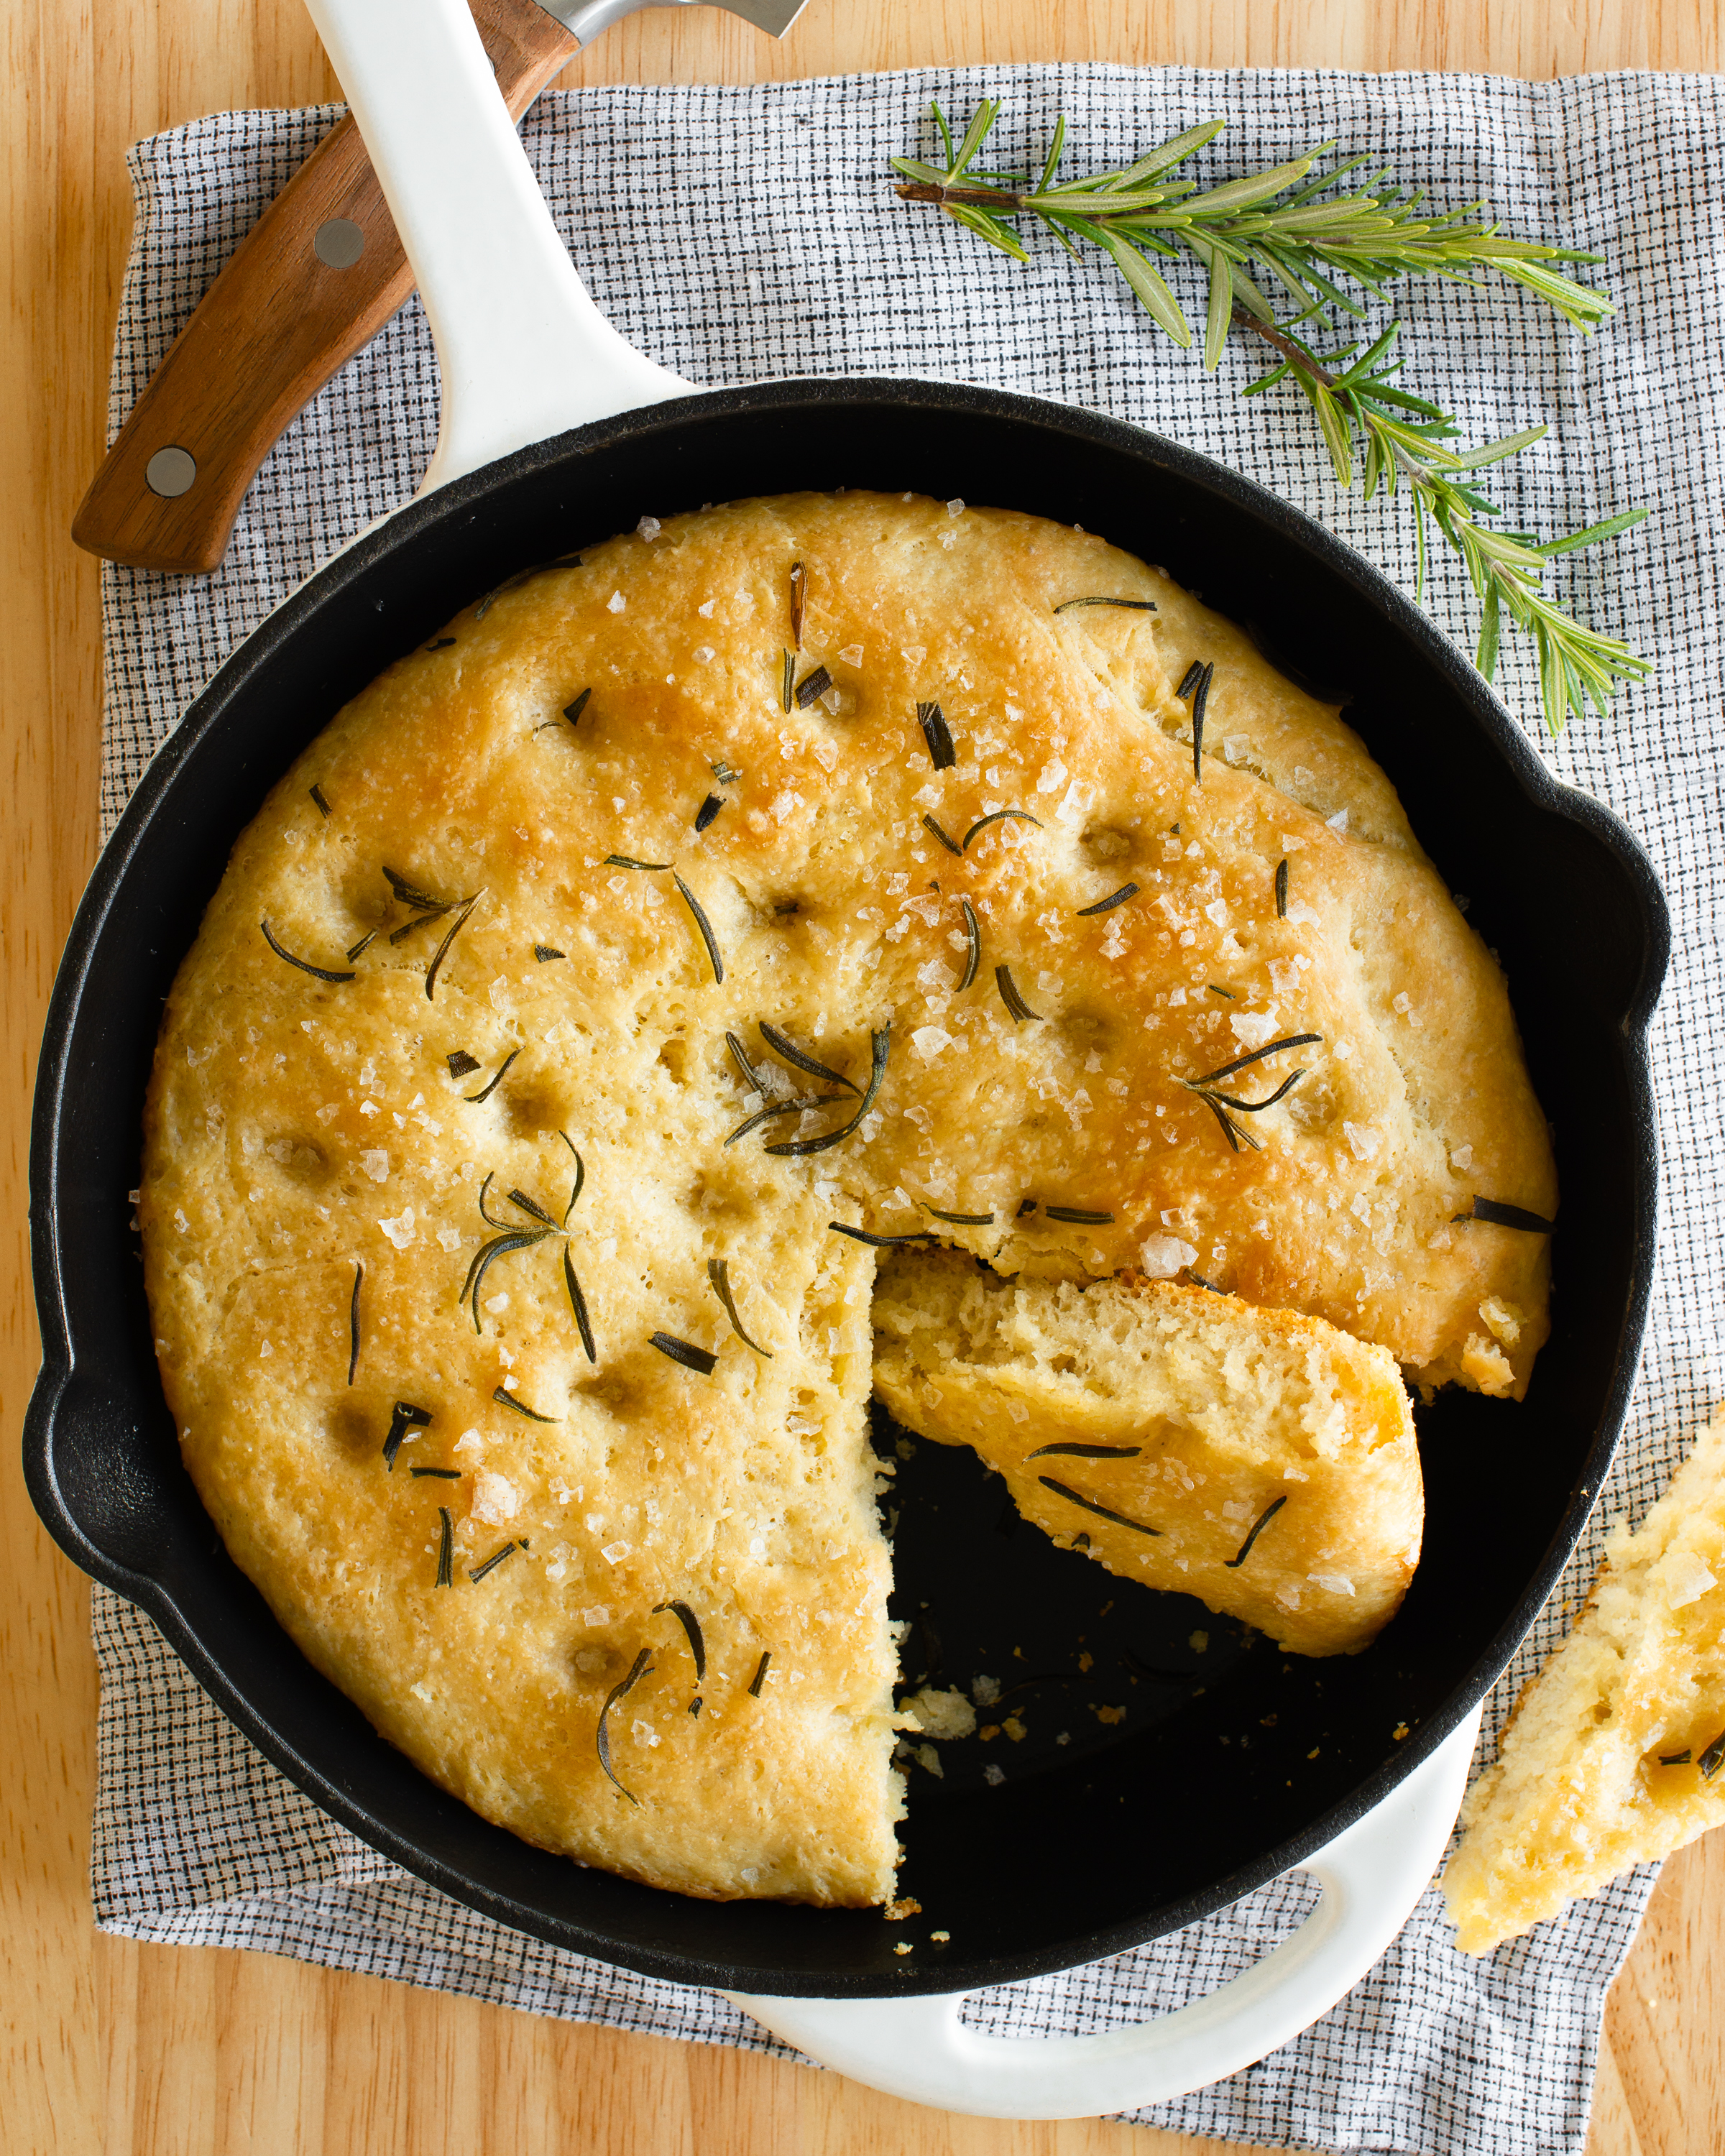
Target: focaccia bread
[[1614, 1753], [898, 789], [1259, 1459]]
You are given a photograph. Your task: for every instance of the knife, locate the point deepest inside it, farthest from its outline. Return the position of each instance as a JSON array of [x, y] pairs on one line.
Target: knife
[[311, 283]]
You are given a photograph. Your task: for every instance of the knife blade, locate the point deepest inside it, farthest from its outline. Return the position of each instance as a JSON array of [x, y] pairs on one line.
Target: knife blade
[[310, 285]]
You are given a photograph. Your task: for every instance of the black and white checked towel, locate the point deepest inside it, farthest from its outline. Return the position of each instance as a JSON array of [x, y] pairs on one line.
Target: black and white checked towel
[[738, 232]]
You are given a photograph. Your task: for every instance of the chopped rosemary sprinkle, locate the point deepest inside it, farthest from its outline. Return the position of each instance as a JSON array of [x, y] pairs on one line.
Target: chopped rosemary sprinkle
[[974, 945], [718, 1271], [726, 774], [404, 1417], [813, 686], [461, 1064], [799, 600], [494, 1560], [708, 809], [942, 754], [365, 943], [573, 712], [446, 1549], [1025, 1205], [880, 1045], [703, 924], [443, 949], [490, 1220], [960, 1219], [419, 921], [952, 845], [1137, 606], [1712, 1759], [359, 1274], [1236, 1134], [1090, 1504], [1216, 988], [1281, 889], [1189, 682], [1512, 1216], [602, 1740], [580, 1174], [1256, 1107], [999, 816], [740, 1055], [774, 1108], [319, 972], [440, 1473], [788, 1052], [1198, 1280], [578, 1303], [316, 793], [1263, 1520], [759, 1677], [485, 1092], [1107, 905], [681, 1351], [545, 953], [1078, 1215], [882, 1242], [1676, 1758], [530, 1205], [626, 862], [788, 679], [1255, 1056], [410, 894], [1010, 997], [695, 1707], [508, 1400], [1200, 697], [686, 1618], [500, 1246], [440, 644], [1086, 1451]]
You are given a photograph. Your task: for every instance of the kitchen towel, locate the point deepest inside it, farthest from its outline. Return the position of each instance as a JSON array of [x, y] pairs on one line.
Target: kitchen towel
[[742, 232]]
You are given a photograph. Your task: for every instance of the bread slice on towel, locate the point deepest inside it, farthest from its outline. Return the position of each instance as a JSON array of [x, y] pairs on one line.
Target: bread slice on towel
[[1259, 1458], [1615, 1753]]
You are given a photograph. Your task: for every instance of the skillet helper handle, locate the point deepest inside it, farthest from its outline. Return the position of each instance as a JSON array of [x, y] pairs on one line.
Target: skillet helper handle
[[1371, 1875], [522, 352], [310, 285]]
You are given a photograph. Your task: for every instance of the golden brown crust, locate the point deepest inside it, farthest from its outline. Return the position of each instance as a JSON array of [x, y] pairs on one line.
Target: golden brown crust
[[1607, 1760], [297, 1125], [1273, 1456]]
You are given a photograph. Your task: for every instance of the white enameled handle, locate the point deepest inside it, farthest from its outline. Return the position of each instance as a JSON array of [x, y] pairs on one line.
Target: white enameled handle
[[921, 2049], [522, 352]]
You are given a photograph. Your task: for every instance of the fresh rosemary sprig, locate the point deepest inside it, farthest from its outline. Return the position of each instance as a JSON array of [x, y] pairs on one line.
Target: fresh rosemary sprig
[[1299, 235]]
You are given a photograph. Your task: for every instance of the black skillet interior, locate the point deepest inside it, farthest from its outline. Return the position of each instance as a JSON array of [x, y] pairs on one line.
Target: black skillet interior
[[1187, 1773]]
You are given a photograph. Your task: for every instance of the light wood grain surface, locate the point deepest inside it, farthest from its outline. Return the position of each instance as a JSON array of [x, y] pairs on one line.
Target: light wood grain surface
[[155, 2051]]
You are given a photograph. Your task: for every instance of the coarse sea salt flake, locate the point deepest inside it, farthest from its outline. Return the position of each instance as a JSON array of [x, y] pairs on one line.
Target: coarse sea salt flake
[[400, 1231], [616, 603], [375, 1163], [1162, 1256]]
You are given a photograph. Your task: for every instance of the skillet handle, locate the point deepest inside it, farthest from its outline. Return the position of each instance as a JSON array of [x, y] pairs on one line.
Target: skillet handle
[[522, 352], [921, 2049]]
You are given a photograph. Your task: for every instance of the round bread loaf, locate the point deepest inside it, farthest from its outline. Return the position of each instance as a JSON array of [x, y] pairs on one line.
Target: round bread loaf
[[826, 860]]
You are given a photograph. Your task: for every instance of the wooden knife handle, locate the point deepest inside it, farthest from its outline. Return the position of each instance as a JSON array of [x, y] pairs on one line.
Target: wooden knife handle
[[313, 281]]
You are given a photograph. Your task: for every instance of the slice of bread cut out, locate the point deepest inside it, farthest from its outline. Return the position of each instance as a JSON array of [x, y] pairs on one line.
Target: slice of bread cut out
[[1260, 1459], [1616, 1753]]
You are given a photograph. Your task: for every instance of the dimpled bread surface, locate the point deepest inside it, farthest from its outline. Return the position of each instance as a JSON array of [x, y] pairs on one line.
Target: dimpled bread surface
[[1615, 1753], [1156, 1427], [303, 1131]]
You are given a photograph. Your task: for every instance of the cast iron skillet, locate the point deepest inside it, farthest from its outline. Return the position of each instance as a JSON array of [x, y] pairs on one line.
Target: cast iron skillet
[[1207, 1788]]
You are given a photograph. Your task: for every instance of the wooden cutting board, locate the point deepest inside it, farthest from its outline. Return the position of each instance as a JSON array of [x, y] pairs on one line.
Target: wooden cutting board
[[134, 2051]]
